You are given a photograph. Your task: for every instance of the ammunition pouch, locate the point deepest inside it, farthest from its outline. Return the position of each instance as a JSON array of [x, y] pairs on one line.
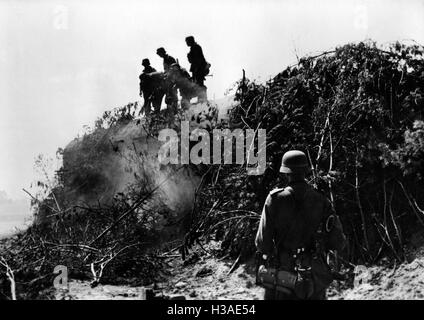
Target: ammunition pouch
[[280, 280], [310, 275], [299, 283]]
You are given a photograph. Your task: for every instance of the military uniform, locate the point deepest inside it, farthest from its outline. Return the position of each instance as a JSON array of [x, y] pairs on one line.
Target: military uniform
[[198, 64], [147, 90], [291, 219], [171, 95], [167, 62]]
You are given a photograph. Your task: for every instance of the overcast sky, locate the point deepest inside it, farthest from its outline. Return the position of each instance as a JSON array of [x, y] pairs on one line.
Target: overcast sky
[[62, 63]]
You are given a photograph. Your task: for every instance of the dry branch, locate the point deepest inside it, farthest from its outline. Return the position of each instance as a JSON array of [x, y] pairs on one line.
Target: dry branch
[[10, 277]]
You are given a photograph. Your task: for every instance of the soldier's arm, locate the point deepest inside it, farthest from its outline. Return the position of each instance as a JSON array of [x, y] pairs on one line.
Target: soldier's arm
[[142, 78], [264, 237], [335, 237]]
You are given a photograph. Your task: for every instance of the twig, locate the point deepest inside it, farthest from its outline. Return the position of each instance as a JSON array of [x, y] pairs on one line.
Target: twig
[[131, 209], [197, 190], [327, 121], [383, 237], [330, 167], [235, 265], [55, 200], [358, 199], [252, 144], [418, 208], [103, 263], [312, 168], [81, 246], [10, 277], [411, 203], [38, 201], [398, 232], [256, 216]]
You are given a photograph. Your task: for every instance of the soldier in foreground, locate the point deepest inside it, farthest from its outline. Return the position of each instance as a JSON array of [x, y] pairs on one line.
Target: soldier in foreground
[[298, 225]]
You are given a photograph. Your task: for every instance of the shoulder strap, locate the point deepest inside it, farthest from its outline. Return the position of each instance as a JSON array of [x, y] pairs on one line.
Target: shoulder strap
[[276, 190]]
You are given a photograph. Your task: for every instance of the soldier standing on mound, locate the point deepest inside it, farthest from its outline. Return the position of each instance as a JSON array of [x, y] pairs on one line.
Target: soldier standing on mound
[[147, 88], [199, 66], [171, 96]]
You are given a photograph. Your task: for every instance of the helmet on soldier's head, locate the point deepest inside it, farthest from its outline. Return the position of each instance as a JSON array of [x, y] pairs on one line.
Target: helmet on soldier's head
[[294, 161], [189, 40], [145, 62], [160, 50]]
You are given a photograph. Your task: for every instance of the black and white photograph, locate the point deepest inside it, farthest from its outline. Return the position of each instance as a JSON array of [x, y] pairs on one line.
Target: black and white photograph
[[208, 155]]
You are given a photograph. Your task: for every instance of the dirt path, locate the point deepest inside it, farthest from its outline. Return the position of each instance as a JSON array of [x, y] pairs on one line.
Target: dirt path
[[209, 278], [203, 276], [206, 279]]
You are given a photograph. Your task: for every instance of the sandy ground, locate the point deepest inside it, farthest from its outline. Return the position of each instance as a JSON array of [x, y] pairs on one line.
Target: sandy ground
[[200, 277], [403, 282], [210, 279], [205, 277]]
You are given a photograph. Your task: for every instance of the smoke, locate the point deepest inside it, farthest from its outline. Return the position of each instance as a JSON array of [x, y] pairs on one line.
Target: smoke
[[124, 157], [14, 214], [131, 160]]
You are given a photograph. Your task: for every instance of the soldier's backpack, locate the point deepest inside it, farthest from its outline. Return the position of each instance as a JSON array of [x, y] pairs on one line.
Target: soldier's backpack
[[207, 68], [307, 278]]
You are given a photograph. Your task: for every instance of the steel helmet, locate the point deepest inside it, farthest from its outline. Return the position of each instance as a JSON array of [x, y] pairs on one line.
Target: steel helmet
[[189, 39], [145, 62], [161, 50], [294, 161]]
